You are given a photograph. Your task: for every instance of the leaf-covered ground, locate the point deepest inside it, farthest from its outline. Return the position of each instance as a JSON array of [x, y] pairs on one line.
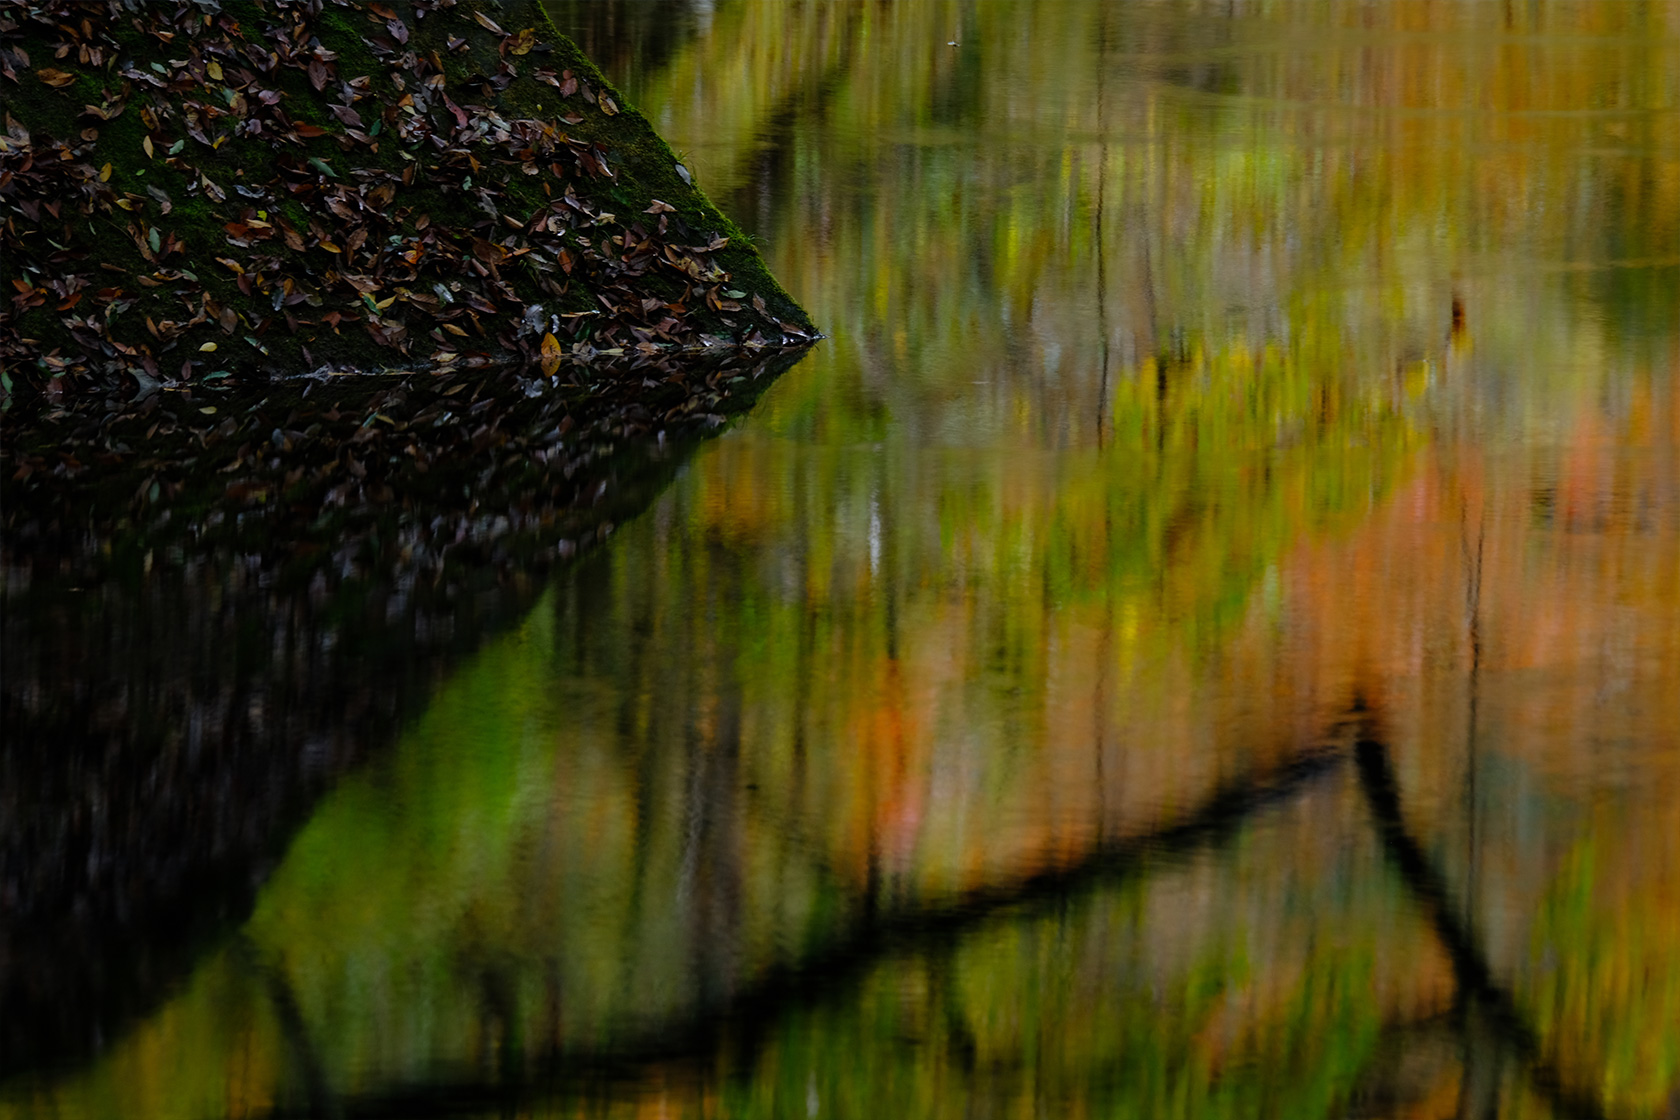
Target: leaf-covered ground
[[201, 189]]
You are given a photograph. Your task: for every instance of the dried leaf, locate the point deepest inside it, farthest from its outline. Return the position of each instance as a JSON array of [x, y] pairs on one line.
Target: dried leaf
[[488, 24], [146, 145], [58, 79]]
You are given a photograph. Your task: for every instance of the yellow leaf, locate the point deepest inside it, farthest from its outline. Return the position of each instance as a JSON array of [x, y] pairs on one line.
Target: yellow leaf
[[105, 174], [208, 410], [386, 302], [146, 143], [207, 348], [214, 69], [453, 329], [330, 247], [550, 355]]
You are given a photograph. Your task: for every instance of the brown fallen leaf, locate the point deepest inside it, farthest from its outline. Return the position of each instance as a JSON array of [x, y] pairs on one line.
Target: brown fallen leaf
[[58, 79], [488, 23], [550, 355]]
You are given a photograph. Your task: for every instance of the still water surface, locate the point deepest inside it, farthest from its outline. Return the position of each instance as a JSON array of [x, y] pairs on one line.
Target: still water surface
[[1201, 638]]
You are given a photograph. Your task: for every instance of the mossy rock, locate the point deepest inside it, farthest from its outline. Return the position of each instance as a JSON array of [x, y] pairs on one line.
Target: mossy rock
[[254, 188]]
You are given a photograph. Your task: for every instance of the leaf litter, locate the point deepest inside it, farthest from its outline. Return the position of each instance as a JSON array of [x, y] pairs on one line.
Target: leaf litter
[[387, 204]]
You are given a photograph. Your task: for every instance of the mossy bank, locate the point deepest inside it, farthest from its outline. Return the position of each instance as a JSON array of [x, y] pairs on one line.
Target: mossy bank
[[224, 189]]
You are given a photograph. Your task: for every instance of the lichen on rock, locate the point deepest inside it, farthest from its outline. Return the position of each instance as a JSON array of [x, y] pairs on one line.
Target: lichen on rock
[[194, 189]]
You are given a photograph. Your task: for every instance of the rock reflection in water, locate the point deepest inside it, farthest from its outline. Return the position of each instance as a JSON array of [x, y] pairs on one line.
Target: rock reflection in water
[[200, 639]]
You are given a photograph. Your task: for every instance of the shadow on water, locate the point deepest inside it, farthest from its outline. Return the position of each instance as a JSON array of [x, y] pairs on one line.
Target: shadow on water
[[199, 639]]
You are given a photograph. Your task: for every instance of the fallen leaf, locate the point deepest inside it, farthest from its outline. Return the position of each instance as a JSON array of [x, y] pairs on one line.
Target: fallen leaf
[[214, 69], [105, 174], [58, 79], [207, 348], [550, 355], [146, 143], [488, 23]]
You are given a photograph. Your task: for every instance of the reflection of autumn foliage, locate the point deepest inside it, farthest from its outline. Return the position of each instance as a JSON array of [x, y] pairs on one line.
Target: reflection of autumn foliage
[[1061, 535], [1522, 614]]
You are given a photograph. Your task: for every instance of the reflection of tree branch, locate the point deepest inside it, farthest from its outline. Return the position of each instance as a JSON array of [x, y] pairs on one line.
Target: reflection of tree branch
[[753, 1013], [1470, 966], [293, 1029]]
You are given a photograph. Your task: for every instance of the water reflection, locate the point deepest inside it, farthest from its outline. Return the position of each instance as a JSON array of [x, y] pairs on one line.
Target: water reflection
[[1199, 639], [201, 640]]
